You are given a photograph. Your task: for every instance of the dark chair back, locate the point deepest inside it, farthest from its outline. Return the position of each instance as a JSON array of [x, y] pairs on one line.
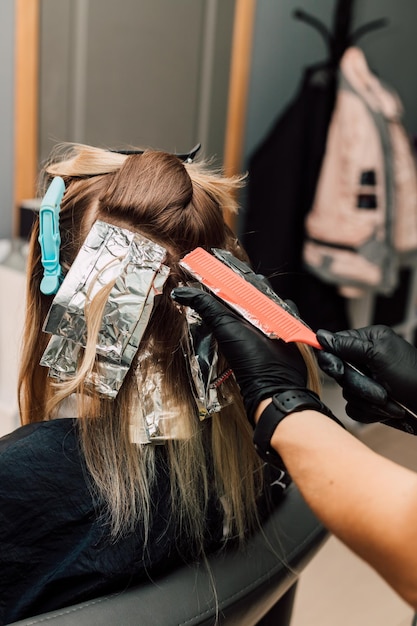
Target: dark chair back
[[254, 586]]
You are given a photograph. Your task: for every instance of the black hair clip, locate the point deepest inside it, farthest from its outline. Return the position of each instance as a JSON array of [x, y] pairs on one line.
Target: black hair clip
[[187, 157]]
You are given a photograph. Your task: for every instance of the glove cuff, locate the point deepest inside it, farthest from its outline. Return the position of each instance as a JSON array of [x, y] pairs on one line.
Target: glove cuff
[[284, 403]]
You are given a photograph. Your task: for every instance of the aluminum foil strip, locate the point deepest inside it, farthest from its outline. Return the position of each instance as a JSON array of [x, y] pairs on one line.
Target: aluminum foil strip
[[135, 265], [156, 418], [203, 361]]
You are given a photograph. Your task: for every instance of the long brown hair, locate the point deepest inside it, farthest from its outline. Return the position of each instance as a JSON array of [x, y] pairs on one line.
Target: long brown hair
[[180, 206]]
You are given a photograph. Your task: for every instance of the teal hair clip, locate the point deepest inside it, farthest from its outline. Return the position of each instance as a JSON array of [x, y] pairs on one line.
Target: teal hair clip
[[49, 237]]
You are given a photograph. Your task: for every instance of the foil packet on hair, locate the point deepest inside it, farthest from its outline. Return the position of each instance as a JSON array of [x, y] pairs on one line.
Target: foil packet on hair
[[156, 417], [127, 268], [203, 364]]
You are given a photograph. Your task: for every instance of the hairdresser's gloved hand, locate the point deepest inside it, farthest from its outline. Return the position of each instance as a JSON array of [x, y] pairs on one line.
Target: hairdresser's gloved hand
[[262, 366], [390, 367]]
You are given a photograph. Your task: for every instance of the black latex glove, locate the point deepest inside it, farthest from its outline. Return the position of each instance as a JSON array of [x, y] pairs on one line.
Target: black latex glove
[[390, 367], [262, 366]]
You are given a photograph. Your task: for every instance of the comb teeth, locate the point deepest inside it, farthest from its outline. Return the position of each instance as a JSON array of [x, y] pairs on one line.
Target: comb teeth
[[246, 299]]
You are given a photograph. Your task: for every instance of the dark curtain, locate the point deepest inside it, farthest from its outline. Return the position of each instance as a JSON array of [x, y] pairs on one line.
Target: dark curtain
[[283, 173]]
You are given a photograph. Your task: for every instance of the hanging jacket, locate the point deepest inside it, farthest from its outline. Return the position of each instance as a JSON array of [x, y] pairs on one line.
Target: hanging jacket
[[364, 215]]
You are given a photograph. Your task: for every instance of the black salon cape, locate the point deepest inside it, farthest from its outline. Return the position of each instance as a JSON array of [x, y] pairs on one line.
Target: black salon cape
[[54, 551]]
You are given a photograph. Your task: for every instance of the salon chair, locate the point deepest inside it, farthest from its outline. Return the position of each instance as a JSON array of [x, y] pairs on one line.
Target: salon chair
[[255, 586]]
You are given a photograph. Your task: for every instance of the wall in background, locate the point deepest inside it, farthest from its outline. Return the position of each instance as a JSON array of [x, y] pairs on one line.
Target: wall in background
[[6, 116], [149, 73]]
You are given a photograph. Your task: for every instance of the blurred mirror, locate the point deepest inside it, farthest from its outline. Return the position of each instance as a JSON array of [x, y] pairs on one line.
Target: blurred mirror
[[150, 73]]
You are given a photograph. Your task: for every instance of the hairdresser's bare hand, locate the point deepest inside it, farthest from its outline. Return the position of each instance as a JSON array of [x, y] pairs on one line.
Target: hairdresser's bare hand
[[390, 367], [262, 366]]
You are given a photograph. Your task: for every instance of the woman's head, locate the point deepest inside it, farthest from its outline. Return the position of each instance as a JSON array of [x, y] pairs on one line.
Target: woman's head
[[179, 206]]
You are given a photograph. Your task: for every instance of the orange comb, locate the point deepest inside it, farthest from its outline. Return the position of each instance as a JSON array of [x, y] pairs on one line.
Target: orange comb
[[259, 309]]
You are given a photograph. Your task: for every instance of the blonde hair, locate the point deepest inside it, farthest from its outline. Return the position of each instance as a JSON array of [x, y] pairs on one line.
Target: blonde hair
[[180, 206]]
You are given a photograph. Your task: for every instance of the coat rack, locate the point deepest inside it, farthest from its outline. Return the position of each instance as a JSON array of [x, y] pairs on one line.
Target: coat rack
[[340, 37]]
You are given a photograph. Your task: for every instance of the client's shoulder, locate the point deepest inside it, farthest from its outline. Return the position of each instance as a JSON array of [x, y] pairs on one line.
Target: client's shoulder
[[46, 435]]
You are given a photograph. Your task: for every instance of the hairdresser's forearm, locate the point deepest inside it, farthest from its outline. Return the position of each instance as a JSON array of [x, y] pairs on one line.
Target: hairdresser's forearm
[[369, 502]]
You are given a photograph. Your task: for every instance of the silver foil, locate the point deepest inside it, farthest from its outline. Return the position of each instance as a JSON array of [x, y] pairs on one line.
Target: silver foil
[[203, 363], [134, 265], [155, 418]]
